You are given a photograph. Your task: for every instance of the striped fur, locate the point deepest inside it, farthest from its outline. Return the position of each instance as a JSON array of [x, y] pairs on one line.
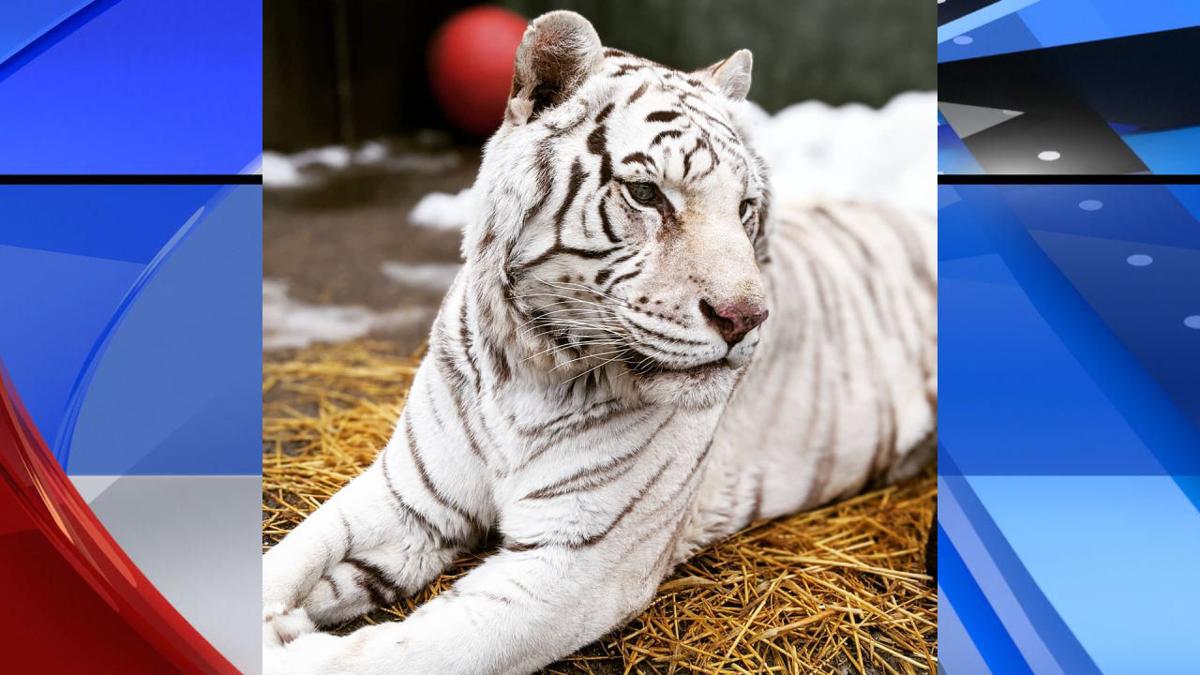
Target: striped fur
[[575, 397]]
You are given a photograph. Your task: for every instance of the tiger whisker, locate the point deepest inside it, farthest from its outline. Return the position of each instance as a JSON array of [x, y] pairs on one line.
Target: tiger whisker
[[565, 329], [584, 288], [559, 348], [561, 297], [566, 325], [596, 367], [542, 317], [585, 356]]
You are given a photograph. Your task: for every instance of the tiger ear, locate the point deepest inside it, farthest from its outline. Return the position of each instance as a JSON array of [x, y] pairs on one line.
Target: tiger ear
[[558, 52], [731, 76]]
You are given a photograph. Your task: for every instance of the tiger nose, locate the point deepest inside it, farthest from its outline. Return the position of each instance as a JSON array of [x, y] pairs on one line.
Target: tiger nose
[[734, 319]]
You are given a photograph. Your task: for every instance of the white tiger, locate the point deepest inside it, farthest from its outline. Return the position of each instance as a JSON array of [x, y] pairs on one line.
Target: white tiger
[[577, 391]]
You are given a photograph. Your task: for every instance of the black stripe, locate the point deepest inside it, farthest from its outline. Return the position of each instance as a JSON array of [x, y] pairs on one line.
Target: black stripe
[[543, 167], [433, 411], [524, 589], [604, 112], [663, 115], [586, 253], [404, 508], [640, 158], [455, 377], [501, 371], [669, 133], [637, 93], [709, 117], [130, 179], [627, 68], [460, 409], [1069, 179], [579, 428], [519, 546], [560, 487], [604, 222], [756, 505], [597, 145], [484, 594], [348, 535], [641, 494], [423, 473], [375, 581], [623, 258], [464, 334], [573, 184], [664, 337], [540, 428], [337, 591], [671, 499], [623, 277]]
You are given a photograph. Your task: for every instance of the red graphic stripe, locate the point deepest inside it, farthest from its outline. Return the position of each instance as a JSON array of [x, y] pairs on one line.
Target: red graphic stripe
[[71, 601]]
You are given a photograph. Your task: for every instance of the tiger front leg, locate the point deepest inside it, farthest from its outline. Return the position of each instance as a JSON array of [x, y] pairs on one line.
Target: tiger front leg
[[385, 535], [517, 612]]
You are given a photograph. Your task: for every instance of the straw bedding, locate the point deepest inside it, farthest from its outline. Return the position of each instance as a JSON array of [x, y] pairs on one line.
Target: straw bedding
[[838, 590]]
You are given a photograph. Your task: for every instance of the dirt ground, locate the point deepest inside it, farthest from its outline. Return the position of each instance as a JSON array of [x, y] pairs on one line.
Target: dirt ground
[[330, 241]]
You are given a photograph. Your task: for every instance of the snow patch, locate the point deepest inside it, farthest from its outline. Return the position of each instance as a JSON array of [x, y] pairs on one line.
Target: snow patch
[[888, 155], [814, 151], [311, 167], [442, 211], [429, 276], [292, 323]]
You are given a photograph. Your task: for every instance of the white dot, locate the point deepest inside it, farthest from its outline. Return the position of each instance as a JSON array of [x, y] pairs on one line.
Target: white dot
[[1091, 205], [963, 40], [941, 2], [1048, 155], [1192, 321], [1139, 260], [1011, 113]]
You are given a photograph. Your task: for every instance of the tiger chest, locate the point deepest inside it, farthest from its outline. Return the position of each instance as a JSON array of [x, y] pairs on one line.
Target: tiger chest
[[625, 476]]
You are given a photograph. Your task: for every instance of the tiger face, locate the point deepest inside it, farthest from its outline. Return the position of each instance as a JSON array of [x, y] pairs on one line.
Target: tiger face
[[624, 211]]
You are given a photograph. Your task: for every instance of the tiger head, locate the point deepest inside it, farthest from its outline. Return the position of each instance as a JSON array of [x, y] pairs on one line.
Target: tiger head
[[619, 219]]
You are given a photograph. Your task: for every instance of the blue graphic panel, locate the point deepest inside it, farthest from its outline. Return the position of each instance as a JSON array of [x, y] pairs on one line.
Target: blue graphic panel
[[1051, 284], [1016, 25], [1069, 342], [68, 256], [23, 22], [1101, 86], [1064, 528], [132, 324], [131, 86]]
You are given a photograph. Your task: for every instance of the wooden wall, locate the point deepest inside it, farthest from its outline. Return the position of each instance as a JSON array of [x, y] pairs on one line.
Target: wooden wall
[[342, 71]]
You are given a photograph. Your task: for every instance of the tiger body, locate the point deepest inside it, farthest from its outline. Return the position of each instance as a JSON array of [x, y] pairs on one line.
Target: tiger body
[[578, 398]]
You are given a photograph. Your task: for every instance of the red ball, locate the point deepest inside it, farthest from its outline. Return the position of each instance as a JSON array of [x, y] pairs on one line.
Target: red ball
[[471, 66]]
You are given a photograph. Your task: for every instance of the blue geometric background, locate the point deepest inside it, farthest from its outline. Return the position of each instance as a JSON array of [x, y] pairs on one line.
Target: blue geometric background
[[1069, 459], [130, 86], [132, 324], [1068, 86], [1008, 26]]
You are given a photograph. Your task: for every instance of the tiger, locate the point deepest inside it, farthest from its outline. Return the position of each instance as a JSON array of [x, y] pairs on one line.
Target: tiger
[[639, 357]]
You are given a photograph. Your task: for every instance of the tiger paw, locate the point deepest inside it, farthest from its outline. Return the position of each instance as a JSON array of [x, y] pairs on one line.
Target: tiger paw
[[312, 654], [282, 625]]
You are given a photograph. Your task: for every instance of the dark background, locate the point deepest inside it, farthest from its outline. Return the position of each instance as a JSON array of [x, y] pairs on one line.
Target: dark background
[[343, 71]]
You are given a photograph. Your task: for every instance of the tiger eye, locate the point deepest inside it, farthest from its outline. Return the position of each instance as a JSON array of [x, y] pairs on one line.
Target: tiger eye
[[645, 193], [744, 209]]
